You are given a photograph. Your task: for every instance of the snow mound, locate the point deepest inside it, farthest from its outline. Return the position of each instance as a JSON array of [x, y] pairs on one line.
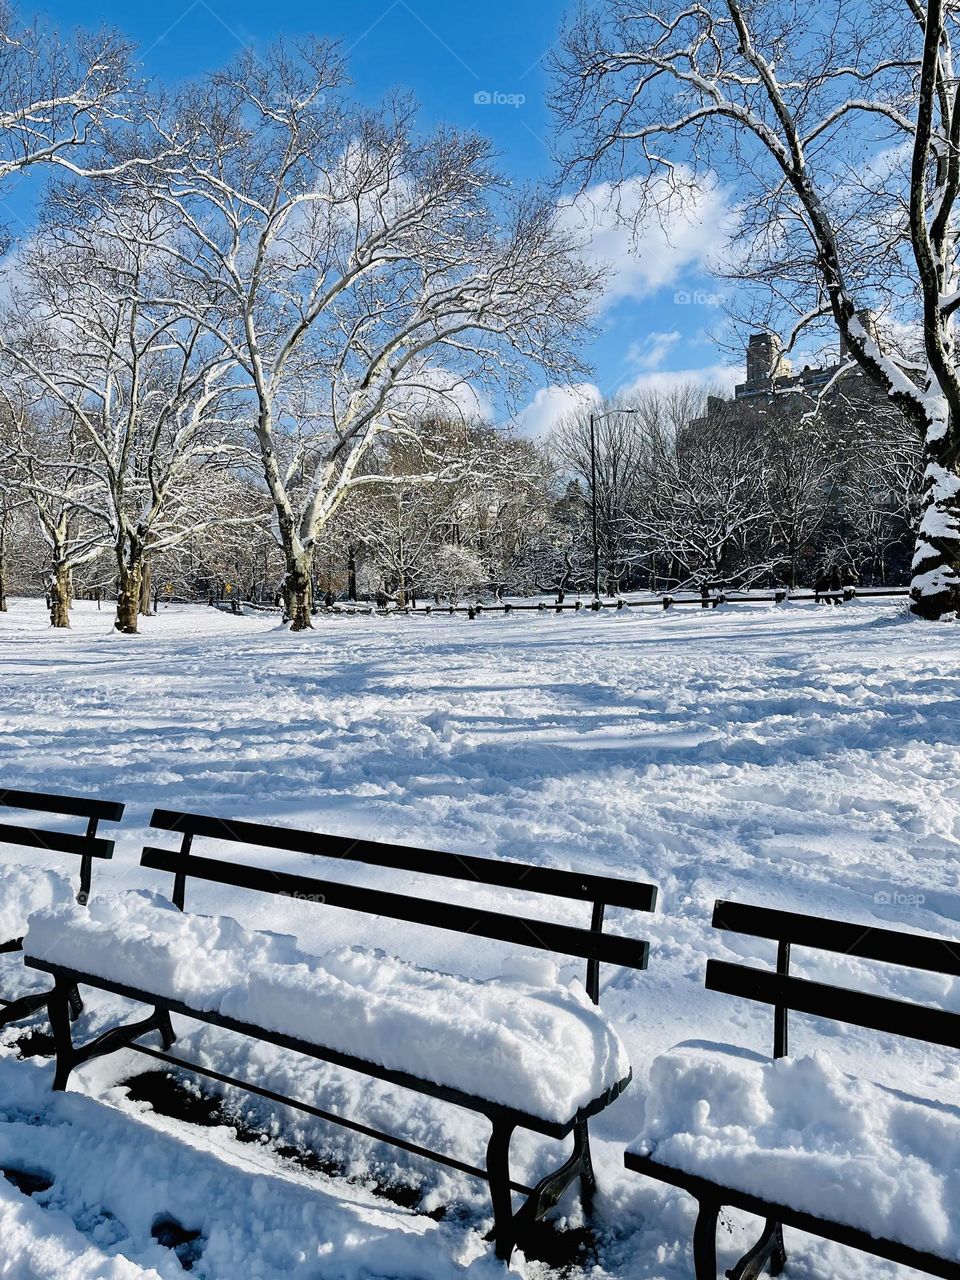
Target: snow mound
[[24, 889], [801, 1132], [523, 1041]]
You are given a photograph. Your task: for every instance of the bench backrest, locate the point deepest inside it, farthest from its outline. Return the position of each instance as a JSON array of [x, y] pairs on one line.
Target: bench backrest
[[86, 845], [591, 944], [898, 1017]]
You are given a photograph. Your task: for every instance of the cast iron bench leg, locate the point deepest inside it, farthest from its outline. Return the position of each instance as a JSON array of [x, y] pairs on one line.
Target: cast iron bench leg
[[550, 1188], [705, 1240], [588, 1179], [767, 1252], [76, 1004], [498, 1172], [17, 1010], [70, 1056], [58, 1011]]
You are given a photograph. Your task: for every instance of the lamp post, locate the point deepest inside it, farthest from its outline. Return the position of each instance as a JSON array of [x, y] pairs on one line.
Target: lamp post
[[593, 505], [594, 419]]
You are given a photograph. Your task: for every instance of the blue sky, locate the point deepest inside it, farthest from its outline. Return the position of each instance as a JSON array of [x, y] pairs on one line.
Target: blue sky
[[660, 314]]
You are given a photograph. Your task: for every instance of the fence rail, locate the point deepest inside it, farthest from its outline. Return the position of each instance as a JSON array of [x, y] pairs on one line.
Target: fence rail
[[709, 600]]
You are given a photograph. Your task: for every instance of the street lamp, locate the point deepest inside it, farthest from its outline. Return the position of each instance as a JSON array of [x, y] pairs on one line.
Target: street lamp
[[594, 419]]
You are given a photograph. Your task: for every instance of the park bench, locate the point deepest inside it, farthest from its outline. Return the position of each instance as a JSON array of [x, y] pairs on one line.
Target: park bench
[[831, 1207], [24, 888], [447, 1064]]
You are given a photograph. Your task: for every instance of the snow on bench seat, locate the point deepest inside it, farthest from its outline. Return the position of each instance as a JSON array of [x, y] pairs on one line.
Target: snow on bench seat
[[25, 889], [524, 1041], [800, 1132]]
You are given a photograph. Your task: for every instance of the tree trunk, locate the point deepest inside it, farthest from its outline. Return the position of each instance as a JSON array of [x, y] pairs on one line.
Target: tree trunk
[[3, 564], [351, 574], [60, 597], [935, 584], [146, 587], [128, 597], [298, 594]]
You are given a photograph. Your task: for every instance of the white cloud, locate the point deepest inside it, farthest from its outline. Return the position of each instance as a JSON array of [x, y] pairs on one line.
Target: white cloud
[[551, 404], [719, 377], [649, 232], [651, 351]]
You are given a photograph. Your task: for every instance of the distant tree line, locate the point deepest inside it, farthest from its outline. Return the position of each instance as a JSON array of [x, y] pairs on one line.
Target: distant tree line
[[690, 492]]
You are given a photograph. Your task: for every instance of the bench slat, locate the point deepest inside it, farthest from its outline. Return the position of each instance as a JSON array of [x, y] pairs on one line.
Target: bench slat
[[512, 875], [73, 806], [866, 942], [56, 841], [898, 1017], [566, 939]]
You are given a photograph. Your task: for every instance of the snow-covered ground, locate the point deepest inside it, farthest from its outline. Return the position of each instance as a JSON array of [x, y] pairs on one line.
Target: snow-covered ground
[[801, 756]]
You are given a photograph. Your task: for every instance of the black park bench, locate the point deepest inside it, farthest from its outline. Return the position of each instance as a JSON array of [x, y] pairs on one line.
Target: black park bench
[[506, 925], [85, 845], [785, 992]]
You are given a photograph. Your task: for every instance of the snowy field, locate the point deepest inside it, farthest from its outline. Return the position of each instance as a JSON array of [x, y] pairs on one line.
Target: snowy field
[[803, 757]]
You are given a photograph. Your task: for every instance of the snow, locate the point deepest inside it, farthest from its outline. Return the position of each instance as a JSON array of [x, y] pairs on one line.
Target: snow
[[114, 1176], [25, 888], [538, 1047], [797, 757], [801, 1132]]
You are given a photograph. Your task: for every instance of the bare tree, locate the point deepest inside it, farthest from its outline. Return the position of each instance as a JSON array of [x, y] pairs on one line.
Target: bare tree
[[702, 502], [802, 463], [620, 456], [362, 273], [838, 127], [48, 462], [93, 332], [879, 491]]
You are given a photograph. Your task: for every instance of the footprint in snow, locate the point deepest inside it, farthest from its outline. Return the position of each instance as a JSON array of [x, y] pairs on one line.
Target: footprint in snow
[[186, 1244], [29, 1181]]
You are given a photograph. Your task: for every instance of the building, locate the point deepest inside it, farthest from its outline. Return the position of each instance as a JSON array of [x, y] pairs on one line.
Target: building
[[770, 377]]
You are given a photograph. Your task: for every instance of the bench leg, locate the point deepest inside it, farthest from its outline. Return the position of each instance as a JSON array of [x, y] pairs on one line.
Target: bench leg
[[588, 1179], [767, 1252], [17, 1010], [165, 1027], [549, 1189], [498, 1173], [70, 1055], [58, 1011], [76, 1004], [705, 1240]]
